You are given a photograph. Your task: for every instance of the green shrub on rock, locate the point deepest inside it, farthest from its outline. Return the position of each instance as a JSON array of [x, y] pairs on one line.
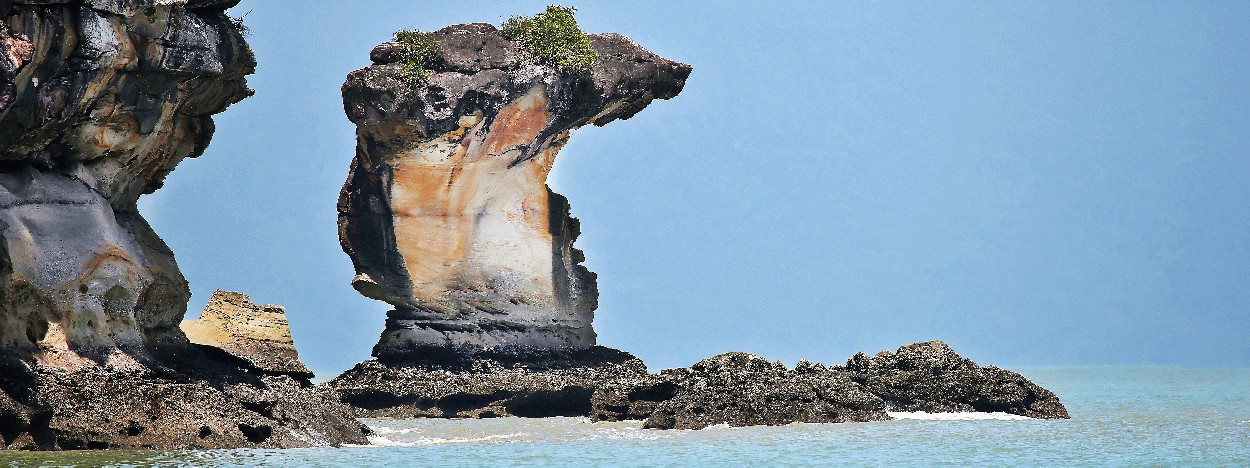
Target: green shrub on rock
[[420, 51], [553, 38]]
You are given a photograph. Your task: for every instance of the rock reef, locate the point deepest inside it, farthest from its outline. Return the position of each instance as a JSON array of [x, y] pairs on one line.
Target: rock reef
[[741, 389], [446, 214], [932, 378], [99, 101]]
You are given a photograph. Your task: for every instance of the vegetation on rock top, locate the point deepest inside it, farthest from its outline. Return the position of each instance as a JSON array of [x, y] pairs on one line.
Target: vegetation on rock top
[[420, 51], [553, 38]]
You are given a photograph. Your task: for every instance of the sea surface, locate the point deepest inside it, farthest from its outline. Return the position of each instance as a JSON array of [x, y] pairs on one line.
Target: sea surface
[[1120, 416]]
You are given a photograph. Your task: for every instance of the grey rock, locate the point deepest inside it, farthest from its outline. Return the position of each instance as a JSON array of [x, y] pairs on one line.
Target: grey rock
[[931, 377], [738, 389], [741, 389]]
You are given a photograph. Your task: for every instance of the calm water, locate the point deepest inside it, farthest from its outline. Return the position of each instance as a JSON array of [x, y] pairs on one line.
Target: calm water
[[1120, 416]]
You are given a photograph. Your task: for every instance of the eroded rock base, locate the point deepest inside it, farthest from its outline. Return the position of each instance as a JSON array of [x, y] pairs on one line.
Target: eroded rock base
[[451, 383]]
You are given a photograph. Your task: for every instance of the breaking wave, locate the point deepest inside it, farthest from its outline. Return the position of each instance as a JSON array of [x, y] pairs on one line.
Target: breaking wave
[[921, 415]]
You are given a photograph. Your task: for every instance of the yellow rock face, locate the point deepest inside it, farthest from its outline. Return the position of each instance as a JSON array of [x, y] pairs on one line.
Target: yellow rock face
[[254, 333]]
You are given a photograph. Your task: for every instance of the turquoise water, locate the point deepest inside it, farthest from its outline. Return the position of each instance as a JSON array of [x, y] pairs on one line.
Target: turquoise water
[[1120, 416]]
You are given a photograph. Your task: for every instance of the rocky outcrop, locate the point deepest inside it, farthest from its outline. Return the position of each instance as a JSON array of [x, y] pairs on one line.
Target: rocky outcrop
[[99, 101], [741, 389], [446, 213], [193, 404], [486, 384], [931, 377], [258, 336]]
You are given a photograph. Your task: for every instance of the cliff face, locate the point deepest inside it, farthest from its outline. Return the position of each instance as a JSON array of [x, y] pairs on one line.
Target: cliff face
[[446, 213], [99, 101]]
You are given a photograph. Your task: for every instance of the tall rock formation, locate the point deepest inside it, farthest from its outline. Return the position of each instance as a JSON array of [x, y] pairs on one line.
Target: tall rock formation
[[446, 213], [99, 101]]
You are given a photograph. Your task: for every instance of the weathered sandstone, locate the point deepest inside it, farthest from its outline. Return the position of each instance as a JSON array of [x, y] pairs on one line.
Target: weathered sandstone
[[257, 335], [446, 213], [99, 101]]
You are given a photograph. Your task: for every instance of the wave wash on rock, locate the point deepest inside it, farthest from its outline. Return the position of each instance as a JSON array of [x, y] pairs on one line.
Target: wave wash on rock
[[99, 101], [446, 213]]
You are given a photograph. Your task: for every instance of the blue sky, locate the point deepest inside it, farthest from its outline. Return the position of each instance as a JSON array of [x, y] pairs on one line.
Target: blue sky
[[1059, 183]]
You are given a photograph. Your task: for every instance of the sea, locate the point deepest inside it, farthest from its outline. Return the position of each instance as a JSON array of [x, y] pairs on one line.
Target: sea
[[1121, 416]]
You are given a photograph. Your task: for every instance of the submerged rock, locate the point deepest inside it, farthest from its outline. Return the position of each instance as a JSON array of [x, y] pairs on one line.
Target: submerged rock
[[99, 101], [496, 383], [257, 335], [446, 214], [931, 377]]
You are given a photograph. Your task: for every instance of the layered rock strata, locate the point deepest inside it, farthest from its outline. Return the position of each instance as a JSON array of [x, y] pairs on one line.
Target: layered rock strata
[[99, 101], [741, 389], [257, 335], [446, 213]]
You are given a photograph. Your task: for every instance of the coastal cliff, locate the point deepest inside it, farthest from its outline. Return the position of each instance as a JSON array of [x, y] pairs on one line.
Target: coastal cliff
[[99, 101], [446, 214]]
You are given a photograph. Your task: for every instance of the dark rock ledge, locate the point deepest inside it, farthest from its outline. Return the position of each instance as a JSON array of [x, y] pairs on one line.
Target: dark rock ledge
[[737, 389]]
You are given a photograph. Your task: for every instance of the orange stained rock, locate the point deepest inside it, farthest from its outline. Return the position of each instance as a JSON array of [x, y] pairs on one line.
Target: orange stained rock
[[463, 216]]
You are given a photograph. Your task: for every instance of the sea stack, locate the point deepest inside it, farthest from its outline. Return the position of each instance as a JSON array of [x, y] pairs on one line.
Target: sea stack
[[446, 213], [99, 101]]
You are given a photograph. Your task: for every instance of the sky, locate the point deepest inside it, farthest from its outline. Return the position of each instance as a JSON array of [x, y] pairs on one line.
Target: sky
[[1037, 184]]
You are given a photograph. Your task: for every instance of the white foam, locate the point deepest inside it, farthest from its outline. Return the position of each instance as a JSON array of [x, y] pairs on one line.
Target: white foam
[[921, 415], [381, 441]]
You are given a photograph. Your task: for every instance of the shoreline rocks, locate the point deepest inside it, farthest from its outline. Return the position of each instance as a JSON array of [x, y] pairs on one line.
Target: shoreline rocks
[[487, 384], [742, 389], [932, 378]]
